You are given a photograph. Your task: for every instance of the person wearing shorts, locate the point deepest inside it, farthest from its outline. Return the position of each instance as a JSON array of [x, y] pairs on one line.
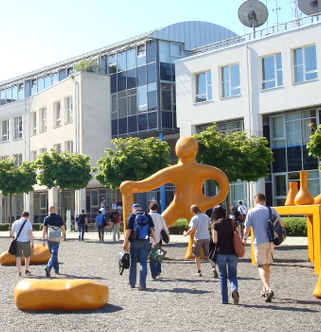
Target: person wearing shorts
[[257, 218], [24, 241], [200, 224]]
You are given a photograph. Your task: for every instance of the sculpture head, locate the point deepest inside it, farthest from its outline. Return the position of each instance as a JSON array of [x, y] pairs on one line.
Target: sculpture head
[[186, 148]]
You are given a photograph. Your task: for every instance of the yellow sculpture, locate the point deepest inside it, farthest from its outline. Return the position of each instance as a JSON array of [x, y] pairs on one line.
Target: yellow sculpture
[[188, 178], [60, 294], [40, 255]]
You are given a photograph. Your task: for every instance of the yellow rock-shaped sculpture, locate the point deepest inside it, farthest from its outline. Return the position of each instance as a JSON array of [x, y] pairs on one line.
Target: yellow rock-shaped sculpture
[[40, 255], [60, 294]]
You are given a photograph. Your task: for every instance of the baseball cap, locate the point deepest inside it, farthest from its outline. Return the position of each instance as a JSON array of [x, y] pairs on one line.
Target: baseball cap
[[136, 205]]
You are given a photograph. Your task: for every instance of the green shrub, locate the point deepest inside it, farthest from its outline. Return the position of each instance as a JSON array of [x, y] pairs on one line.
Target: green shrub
[[179, 226], [295, 226], [4, 227], [37, 226]]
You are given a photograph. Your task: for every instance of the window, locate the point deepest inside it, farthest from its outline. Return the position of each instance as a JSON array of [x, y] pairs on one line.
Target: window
[[43, 120], [18, 159], [33, 119], [4, 130], [203, 86], [69, 110], [69, 146], [272, 71], [42, 150], [305, 64], [33, 155], [17, 123], [21, 94], [57, 147], [142, 99], [57, 114], [141, 55], [231, 81]]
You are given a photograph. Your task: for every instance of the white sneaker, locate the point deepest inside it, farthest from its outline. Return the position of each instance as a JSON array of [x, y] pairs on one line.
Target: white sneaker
[[198, 274]]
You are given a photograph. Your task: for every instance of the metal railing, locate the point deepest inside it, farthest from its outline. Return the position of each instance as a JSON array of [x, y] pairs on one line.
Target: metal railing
[[305, 21]]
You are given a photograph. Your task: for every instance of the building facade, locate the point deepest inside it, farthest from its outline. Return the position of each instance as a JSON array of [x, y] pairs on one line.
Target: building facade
[[267, 84]]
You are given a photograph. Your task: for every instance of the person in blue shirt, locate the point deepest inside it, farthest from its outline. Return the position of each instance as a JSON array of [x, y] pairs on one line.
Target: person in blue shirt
[[100, 224]]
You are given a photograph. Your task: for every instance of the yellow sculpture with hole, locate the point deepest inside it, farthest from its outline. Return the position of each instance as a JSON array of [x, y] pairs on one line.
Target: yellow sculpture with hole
[[60, 294], [40, 255]]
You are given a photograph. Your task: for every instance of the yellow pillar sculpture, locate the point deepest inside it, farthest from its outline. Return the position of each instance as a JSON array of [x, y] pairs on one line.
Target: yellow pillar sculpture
[[188, 178]]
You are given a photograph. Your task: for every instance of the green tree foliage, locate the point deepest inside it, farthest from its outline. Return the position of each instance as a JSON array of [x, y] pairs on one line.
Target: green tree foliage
[[314, 145], [239, 156], [134, 159], [16, 180], [87, 66], [64, 170]]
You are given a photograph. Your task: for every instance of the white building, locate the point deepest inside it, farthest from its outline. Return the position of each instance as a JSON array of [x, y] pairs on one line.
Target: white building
[[266, 84]]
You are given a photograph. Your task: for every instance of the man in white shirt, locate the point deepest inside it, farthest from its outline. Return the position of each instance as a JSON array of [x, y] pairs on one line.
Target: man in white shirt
[[24, 240], [160, 224]]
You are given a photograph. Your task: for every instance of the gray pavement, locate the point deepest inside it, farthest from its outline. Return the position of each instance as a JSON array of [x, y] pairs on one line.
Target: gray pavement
[[178, 301]]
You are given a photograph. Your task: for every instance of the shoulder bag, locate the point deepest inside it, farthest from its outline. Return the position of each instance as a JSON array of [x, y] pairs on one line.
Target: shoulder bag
[[13, 245], [237, 243]]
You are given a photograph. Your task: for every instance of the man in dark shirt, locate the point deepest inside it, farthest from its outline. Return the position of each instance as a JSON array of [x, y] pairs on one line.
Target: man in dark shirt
[[53, 226], [81, 225], [114, 218]]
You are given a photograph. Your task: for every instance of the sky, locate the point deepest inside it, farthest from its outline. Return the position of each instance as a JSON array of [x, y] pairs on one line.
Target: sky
[[38, 33]]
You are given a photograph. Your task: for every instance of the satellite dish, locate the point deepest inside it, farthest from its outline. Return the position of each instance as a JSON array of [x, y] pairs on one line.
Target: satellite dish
[[253, 13], [309, 7]]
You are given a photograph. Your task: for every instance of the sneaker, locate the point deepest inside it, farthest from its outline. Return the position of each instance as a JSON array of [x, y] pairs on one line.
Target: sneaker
[[198, 274], [27, 272], [142, 288], [57, 272], [269, 295], [153, 278], [263, 293], [236, 296], [19, 274], [132, 286], [215, 273], [47, 272]]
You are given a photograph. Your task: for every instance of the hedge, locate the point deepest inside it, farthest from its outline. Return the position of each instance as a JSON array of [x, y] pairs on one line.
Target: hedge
[[6, 226]]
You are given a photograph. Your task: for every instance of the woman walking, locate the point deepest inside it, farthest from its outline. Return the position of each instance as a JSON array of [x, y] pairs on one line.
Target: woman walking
[[222, 233]]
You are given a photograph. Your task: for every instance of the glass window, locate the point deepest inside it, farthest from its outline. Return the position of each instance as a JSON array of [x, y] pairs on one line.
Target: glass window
[[57, 114], [33, 87], [132, 102], [17, 123], [62, 74], [305, 64], [9, 93], [122, 104], [43, 119], [113, 83], [272, 71], [54, 78], [15, 92], [166, 97], [141, 76], [132, 124], [42, 150], [114, 106], [152, 120], [114, 127], [4, 130], [203, 86], [47, 81], [18, 159], [151, 51], [33, 155], [167, 120], [69, 109], [112, 64], [231, 81], [176, 51], [151, 73], [141, 55], [152, 100], [57, 147], [142, 99], [69, 146], [122, 78], [33, 117], [41, 83], [121, 61], [131, 58], [131, 79], [142, 122], [164, 51], [123, 126], [103, 65]]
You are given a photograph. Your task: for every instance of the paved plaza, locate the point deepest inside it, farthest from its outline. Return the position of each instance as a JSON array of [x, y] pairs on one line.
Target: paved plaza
[[178, 301]]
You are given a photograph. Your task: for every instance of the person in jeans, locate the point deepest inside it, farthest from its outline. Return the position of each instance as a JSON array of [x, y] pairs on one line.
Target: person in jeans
[[138, 249], [222, 233], [160, 224], [55, 220], [115, 219], [99, 222], [81, 225], [24, 241]]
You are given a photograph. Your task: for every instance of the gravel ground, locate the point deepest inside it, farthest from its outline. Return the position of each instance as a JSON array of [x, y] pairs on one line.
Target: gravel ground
[[178, 301]]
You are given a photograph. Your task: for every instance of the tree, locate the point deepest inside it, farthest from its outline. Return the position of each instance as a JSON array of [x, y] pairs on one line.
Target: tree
[[16, 180], [134, 159], [239, 156], [64, 170], [90, 66], [314, 145]]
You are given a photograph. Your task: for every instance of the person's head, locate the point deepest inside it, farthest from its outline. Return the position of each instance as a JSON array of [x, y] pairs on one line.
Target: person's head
[[239, 202], [103, 199], [232, 208], [195, 209], [136, 207], [52, 209], [259, 198], [25, 214], [99, 212], [82, 211], [218, 213], [153, 206]]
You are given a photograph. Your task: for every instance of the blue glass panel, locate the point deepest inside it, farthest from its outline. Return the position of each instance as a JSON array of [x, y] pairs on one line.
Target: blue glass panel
[[268, 68], [141, 76], [298, 59], [62, 74], [9, 93], [132, 124], [123, 126], [151, 51], [47, 81], [279, 163], [41, 84], [152, 120], [298, 74], [121, 61], [278, 61], [166, 100], [54, 78], [114, 125], [112, 64], [165, 71], [103, 64], [151, 73], [131, 58], [310, 58], [294, 158], [142, 122], [152, 100], [131, 79], [167, 120], [309, 162], [15, 92], [113, 83], [235, 76], [27, 89], [122, 81]]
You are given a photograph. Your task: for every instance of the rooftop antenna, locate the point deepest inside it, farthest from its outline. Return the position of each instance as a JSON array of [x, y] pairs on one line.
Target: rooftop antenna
[[276, 9], [253, 13], [309, 7]]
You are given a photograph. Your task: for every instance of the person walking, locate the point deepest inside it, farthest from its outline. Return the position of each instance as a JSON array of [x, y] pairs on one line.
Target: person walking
[[242, 209], [99, 222], [81, 225], [54, 230], [115, 219], [200, 225], [24, 240], [139, 243], [160, 224], [257, 218], [222, 233]]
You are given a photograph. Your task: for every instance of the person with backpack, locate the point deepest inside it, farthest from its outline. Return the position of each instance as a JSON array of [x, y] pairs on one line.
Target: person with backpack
[[115, 219], [101, 223], [81, 221], [138, 229], [257, 218]]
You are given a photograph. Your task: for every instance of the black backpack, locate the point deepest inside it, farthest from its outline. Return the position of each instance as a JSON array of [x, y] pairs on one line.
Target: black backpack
[[123, 261], [276, 232]]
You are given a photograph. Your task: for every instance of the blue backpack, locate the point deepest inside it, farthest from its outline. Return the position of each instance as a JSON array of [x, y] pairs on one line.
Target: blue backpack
[[141, 226]]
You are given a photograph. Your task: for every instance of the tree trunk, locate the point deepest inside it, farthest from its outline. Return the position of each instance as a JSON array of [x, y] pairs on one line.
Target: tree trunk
[[10, 212], [63, 212]]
